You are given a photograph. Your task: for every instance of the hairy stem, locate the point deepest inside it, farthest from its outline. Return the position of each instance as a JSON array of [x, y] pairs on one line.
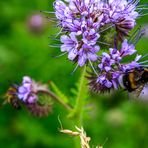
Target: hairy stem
[[78, 110], [77, 113]]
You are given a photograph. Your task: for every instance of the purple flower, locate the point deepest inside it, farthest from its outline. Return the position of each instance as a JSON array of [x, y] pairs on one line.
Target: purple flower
[[127, 49], [132, 65], [25, 91], [62, 13], [115, 54], [80, 51], [106, 62], [104, 81], [122, 8]]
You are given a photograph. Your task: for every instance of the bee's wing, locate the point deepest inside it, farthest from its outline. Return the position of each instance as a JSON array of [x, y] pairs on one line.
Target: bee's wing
[[144, 93], [137, 93]]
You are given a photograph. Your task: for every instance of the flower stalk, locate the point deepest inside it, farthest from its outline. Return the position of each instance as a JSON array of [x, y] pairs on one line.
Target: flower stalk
[[77, 112], [58, 99]]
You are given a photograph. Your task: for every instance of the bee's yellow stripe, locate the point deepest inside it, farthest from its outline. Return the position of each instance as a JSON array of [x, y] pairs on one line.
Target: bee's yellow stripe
[[132, 81], [146, 69]]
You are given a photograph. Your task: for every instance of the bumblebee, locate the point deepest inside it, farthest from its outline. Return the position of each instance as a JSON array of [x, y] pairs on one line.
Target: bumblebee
[[11, 98], [135, 81]]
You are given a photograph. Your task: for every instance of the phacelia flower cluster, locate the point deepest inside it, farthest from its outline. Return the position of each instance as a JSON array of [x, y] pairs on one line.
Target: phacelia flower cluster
[[87, 25], [111, 68], [83, 21]]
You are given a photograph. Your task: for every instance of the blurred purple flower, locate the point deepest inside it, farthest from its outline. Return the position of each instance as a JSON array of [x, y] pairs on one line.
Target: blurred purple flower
[[36, 23], [31, 95], [26, 92]]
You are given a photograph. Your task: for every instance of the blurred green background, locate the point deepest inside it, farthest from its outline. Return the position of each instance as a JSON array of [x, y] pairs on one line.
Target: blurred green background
[[24, 50]]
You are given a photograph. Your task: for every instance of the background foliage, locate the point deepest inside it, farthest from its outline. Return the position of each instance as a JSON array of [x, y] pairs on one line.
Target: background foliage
[[24, 52]]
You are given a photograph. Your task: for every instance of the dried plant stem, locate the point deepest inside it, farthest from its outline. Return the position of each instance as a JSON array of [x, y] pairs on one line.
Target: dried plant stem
[[84, 139]]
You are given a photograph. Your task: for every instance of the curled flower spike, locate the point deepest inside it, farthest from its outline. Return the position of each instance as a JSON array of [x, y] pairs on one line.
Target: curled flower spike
[[39, 110], [32, 95], [29, 92], [35, 96]]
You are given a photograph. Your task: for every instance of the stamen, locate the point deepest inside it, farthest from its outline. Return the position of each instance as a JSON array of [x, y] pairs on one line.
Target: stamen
[[143, 14], [105, 141], [134, 34], [51, 19], [48, 12], [144, 66], [104, 43], [92, 67], [74, 69], [138, 36], [141, 8], [143, 62], [142, 5], [144, 56], [53, 46], [59, 33], [135, 2], [53, 38], [106, 28], [60, 55]]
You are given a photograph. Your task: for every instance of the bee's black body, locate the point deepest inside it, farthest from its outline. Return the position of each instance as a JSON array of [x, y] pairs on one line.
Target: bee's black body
[[135, 78], [144, 78]]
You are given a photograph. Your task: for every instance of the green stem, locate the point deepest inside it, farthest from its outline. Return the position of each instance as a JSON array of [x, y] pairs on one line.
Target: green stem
[[77, 112], [58, 99]]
